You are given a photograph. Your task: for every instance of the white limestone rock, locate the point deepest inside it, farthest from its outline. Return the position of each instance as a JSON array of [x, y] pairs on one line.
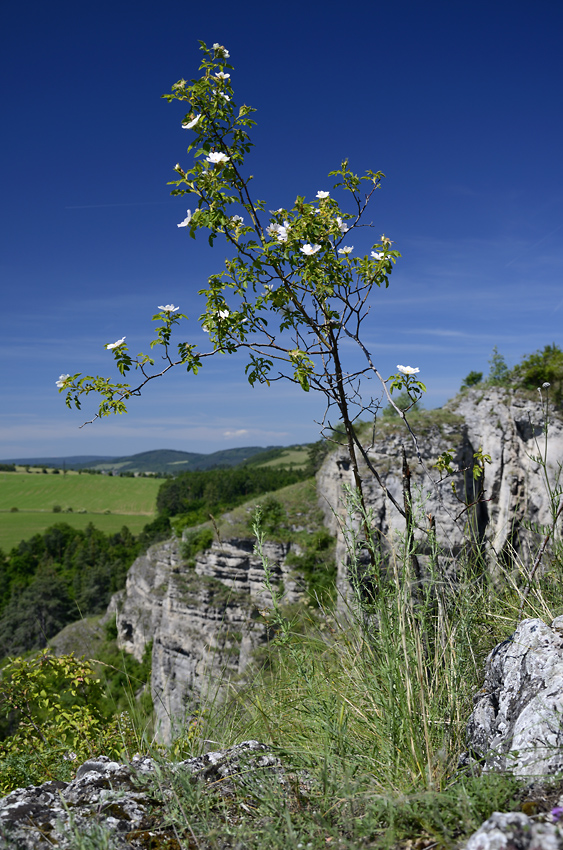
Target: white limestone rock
[[517, 722], [515, 831], [202, 620]]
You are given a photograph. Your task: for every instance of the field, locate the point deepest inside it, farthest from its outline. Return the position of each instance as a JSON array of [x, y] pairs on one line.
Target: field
[[130, 501], [296, 456]]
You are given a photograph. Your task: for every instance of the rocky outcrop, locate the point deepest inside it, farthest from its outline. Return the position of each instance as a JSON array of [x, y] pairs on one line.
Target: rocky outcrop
[[517, 723], [516, 831], [123, 806], [507, 426], [203, 619]]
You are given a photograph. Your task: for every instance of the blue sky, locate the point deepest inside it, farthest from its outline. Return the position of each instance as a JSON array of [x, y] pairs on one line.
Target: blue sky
[[458, 103]]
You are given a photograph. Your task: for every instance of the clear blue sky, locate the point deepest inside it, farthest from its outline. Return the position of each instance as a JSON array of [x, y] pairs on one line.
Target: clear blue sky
[[458, 103]]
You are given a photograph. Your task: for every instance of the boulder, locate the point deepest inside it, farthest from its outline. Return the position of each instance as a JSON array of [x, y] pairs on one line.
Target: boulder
[[516, 831], [517, 722]]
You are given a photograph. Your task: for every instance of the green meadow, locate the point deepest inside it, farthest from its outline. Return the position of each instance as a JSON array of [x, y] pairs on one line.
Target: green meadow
[[294, 456], [130, 501]]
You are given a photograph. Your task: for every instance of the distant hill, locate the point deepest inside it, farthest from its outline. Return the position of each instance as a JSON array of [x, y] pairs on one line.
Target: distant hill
[[168, 460], [160, 460]]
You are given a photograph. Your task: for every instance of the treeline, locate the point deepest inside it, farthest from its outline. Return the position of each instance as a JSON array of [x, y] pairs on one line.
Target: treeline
[[544, 366], [198, 493], [62, 575]]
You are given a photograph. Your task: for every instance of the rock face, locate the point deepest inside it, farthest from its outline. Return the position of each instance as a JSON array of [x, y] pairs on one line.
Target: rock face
[[203, 620], [117, 805], [517, 723], [506, 426], [510, 429]]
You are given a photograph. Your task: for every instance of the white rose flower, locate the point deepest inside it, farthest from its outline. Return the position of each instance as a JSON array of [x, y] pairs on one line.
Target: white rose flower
[[346, 250], [223, 314], [62, 380], [218, 48], [217, 157], [309, 250], [342, 225], [279, 230], [408, 370], [169, 308], [189, 124], [119, 342], [377, 256], [322, 195], [187, 220], [220, 75]]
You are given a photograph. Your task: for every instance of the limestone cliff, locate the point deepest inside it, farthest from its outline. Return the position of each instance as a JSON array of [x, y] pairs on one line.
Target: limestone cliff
[[203, 620], [506, 425]]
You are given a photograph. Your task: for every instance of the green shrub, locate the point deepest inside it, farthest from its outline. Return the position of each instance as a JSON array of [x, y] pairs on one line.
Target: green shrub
[[271, 513], [196, 541], [471, 380], [14, 510], [499, 372], [54, 720], [57, 509], [543, 366], [403, 401], [318, 567]]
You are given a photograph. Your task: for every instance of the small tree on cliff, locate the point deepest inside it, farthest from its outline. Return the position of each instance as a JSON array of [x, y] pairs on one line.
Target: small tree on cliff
[[292, 291]]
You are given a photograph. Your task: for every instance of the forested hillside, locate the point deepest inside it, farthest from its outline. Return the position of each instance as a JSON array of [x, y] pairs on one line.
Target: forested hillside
[[62, 575]]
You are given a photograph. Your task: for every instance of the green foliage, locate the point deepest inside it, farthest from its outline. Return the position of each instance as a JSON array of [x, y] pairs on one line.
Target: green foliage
[[471, 380], [153, 532], [52, 705], [35, 613], [404, 402], [271, 514], [543, 366], [317, 565], [316, 455], [122, 678], [61, 575], [198, 493], [499, 372], [196, 541]]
